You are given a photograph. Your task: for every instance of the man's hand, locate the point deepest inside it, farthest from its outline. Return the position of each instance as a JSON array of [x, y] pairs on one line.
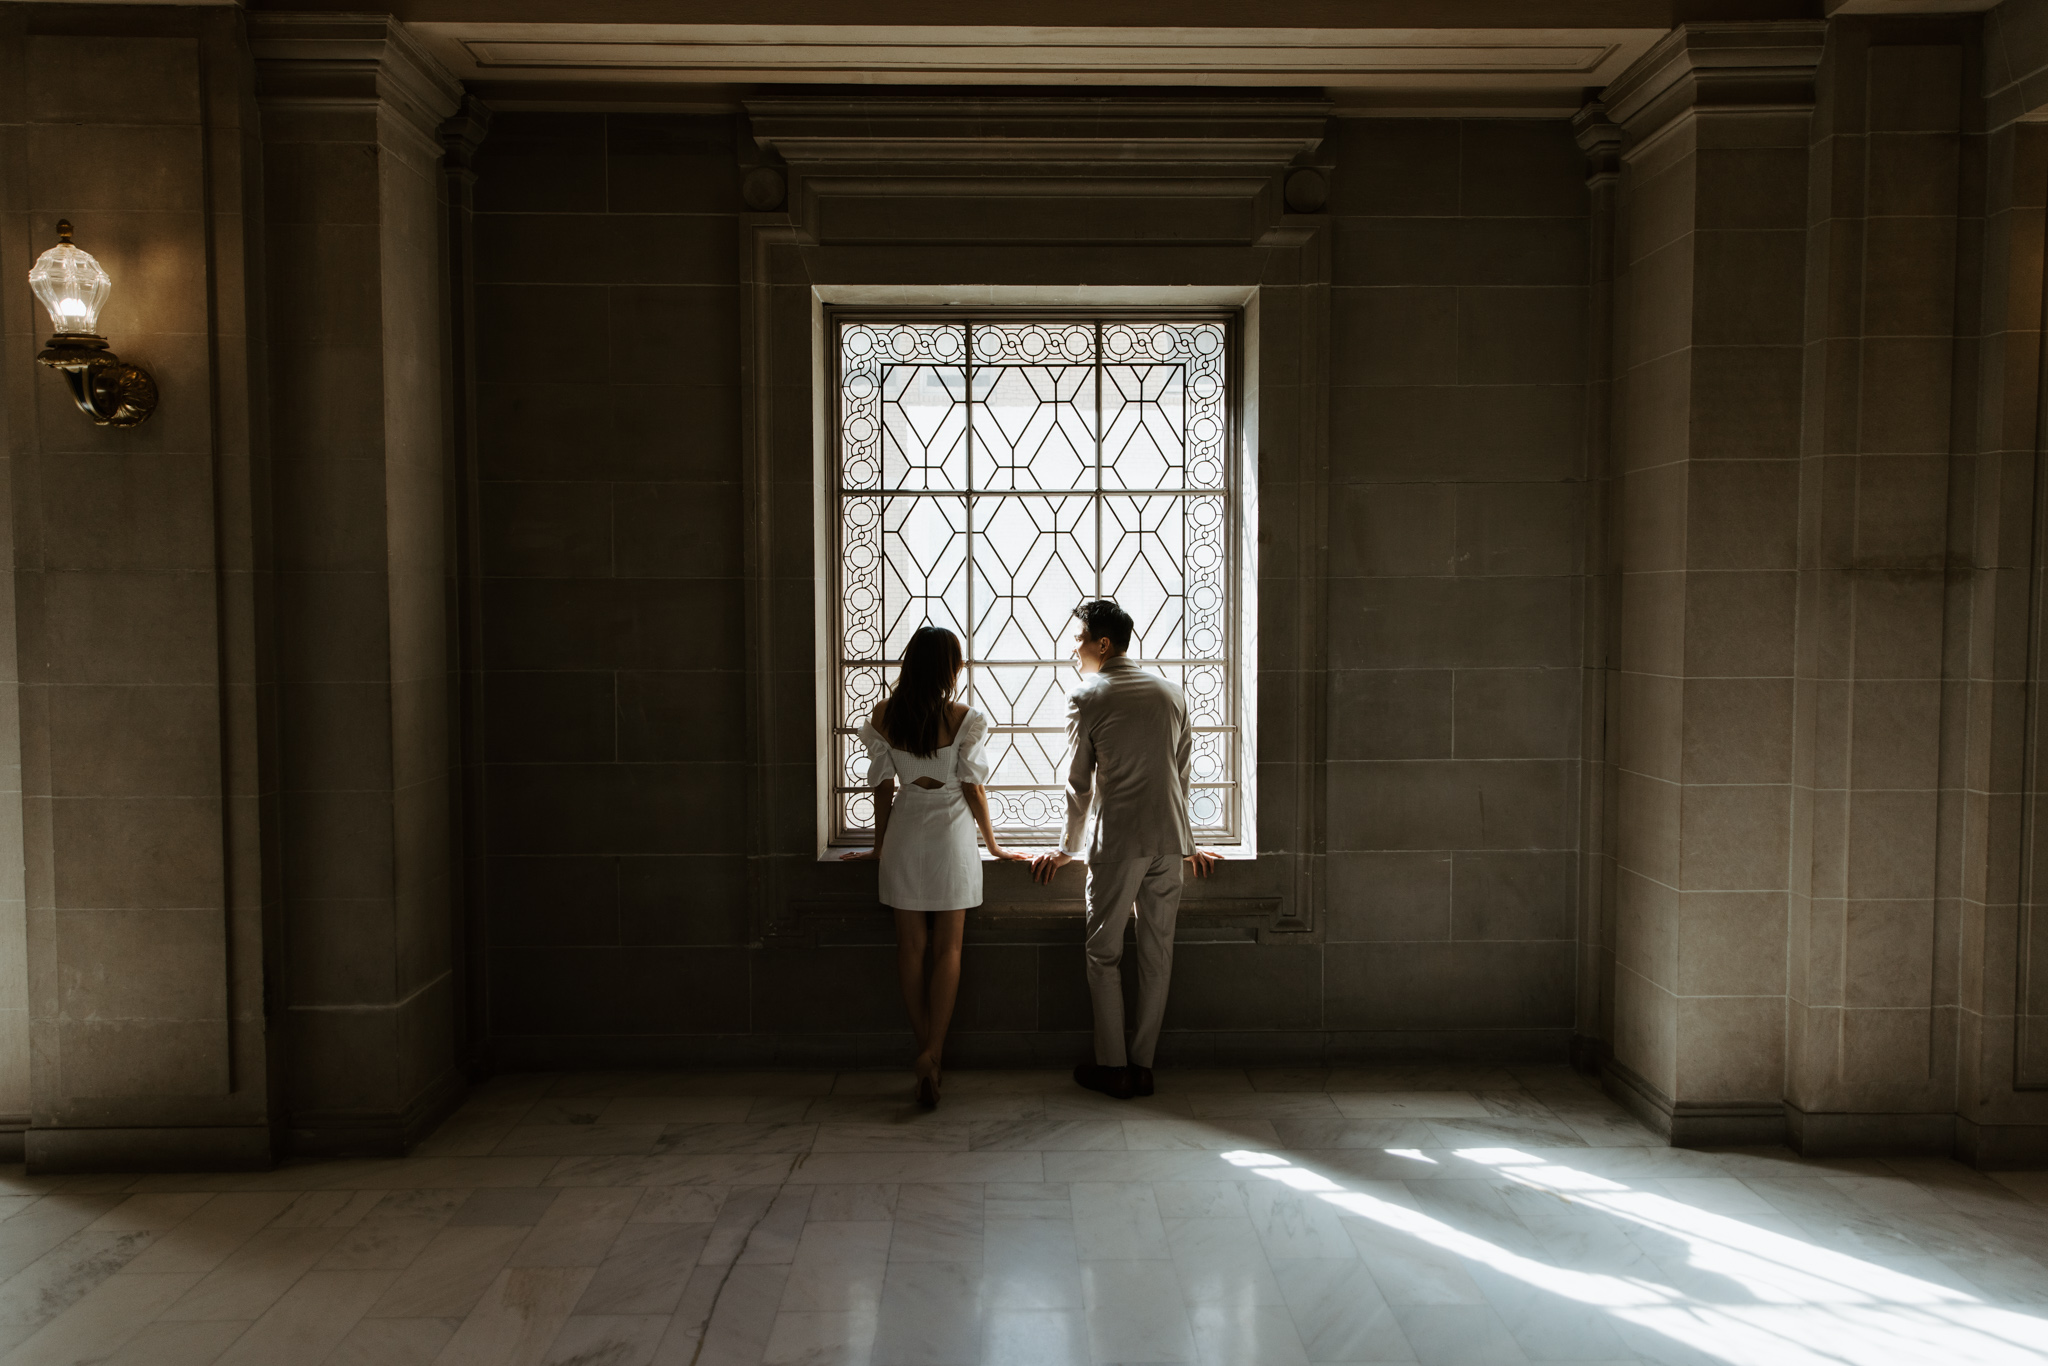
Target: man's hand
[[1204, 860], [1045, 865]]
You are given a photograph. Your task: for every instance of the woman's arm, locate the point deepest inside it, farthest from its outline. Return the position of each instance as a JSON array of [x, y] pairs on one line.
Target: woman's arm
[[885, 797], [977, 804]]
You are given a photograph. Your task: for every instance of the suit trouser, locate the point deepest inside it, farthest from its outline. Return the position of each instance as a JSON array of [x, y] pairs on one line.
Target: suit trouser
[[1153, 884]]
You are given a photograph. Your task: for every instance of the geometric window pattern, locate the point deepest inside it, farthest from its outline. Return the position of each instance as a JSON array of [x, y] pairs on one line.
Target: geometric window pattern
[[991, 474]]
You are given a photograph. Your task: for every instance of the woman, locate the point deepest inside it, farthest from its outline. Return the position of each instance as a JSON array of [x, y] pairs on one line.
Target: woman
[[924, 839]]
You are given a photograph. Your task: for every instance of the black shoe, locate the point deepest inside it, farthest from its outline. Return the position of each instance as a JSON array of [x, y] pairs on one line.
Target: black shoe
[[1114, 1082], [1141, 1080]]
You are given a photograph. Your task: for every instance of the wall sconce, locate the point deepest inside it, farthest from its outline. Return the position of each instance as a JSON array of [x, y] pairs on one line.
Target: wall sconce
[[72, 287]]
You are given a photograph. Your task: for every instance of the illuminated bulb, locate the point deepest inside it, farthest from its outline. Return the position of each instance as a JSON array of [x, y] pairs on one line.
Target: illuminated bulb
[[71, 285]]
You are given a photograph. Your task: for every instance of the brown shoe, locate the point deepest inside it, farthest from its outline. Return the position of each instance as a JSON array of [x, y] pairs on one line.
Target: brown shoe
[[1141, 1080], [1114, 1082]]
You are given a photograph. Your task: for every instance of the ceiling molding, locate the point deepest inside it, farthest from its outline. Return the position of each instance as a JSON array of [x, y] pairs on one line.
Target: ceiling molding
[[1732, 68], [1411, 58]]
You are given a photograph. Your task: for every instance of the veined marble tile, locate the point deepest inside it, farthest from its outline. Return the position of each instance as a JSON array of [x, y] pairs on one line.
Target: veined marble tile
[[1200, 1199], [1233, 1331], [1410, 1105], [579, 1228], [1204, 1135], [311, 1319], [256, 1274], [200, 1343], [672, 1169], [1135, 1312], [393, 1342], [1118, 1221], [1264, 1105], [1034, 1337], [607, 1340], [815, 1338], [518, 1318], [1047, 1134], [736, 1138], [919, 1168], [1023, 1081], [1351, 1133], [644, 1271], [1165, 1164], [938, 1223], [676, 1110], [852, 1203], [578, 1140], [679, 1204], [838, 1267], [448, 1279], [891, 1138], [1221, 1261], [204, 1241], [725, 1319], [930, 1312], [96, 1325], [1339, 1313], [1026, 1200]]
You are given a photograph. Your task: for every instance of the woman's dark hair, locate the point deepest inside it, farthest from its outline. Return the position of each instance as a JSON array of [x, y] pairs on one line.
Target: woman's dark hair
[[915, 713], [1102, 617]]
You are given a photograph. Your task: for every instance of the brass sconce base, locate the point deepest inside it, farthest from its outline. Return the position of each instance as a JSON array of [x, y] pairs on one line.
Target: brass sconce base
[[106, 388]]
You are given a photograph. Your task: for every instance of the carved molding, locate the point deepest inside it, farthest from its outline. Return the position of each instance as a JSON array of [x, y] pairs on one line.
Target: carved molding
[[853, 162], [1727, 68], [351, 63]]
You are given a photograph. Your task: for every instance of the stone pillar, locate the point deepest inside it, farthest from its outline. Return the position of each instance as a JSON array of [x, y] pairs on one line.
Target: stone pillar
[[351, 108], [1998, 592], [141, 595], [1600, 139], [1709, 306], [1871, 1043], [461, 137]]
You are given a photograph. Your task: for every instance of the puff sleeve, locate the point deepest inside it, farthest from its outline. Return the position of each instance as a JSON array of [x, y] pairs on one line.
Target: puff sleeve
[[972, 756], [881, 766]]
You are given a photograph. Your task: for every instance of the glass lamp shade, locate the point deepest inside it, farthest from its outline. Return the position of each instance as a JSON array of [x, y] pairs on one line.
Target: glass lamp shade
[[72, 287]]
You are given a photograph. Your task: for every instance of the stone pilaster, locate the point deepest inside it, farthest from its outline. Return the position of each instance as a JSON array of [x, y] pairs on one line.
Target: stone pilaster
[[352, 109], [139, 561], [1709, 302], [1874, 917]]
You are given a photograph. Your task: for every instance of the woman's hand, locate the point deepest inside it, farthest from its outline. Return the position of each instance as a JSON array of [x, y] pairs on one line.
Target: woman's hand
[[859, 855], [1002, 855]]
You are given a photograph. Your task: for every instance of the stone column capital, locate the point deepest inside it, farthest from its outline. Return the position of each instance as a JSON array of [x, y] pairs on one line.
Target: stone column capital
[[1733, 68], [462, 135], [347, 63], [1600, 139]]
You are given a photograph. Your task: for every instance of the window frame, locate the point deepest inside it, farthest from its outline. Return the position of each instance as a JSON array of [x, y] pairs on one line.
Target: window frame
[[1240, 499]]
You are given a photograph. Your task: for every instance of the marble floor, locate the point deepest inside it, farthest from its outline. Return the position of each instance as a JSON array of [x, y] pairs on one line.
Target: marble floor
[[1449, 1216]]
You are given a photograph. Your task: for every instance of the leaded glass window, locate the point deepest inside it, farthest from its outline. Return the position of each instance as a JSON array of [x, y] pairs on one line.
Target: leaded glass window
[[992, 473]]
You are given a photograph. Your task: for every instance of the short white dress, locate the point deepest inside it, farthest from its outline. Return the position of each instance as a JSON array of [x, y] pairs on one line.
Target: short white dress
[[930, 860]]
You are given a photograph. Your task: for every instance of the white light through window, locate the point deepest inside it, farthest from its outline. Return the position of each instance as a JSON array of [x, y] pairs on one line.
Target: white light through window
[[992, 474]]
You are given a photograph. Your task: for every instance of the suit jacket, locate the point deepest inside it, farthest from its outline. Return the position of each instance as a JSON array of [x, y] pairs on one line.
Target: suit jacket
[[1128, 734]]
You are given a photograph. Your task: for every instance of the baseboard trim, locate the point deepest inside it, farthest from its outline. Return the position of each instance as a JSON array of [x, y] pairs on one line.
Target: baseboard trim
[[349, 1133], [1025, 1048], [1689, 1124], [1835, 1134], [2001, 1147], [65, 1151]]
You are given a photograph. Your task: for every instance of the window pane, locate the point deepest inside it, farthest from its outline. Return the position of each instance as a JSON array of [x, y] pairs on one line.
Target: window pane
[[924, 568], [1034, 558], [995, 472]]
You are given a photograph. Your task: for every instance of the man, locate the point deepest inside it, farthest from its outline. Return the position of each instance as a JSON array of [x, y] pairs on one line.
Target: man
[[1127, 731]]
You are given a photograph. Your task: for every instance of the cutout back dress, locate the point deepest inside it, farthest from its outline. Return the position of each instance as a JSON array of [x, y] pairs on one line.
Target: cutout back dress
[[930, 860]]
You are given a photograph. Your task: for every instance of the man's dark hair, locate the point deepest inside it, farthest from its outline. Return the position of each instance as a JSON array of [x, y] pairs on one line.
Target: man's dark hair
[[1102, 617]]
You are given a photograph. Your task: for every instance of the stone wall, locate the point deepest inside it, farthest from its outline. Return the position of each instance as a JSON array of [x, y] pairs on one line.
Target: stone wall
[[614, 603]]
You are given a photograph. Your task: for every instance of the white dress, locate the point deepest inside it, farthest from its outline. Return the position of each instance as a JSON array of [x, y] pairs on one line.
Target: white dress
[[930, 858]]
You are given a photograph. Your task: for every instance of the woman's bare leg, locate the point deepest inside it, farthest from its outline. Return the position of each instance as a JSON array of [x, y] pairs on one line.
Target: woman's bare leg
[[910, 949], [947, 929]]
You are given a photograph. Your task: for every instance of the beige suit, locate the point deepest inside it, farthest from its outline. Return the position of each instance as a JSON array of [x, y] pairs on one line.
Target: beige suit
[[1131, 747]]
